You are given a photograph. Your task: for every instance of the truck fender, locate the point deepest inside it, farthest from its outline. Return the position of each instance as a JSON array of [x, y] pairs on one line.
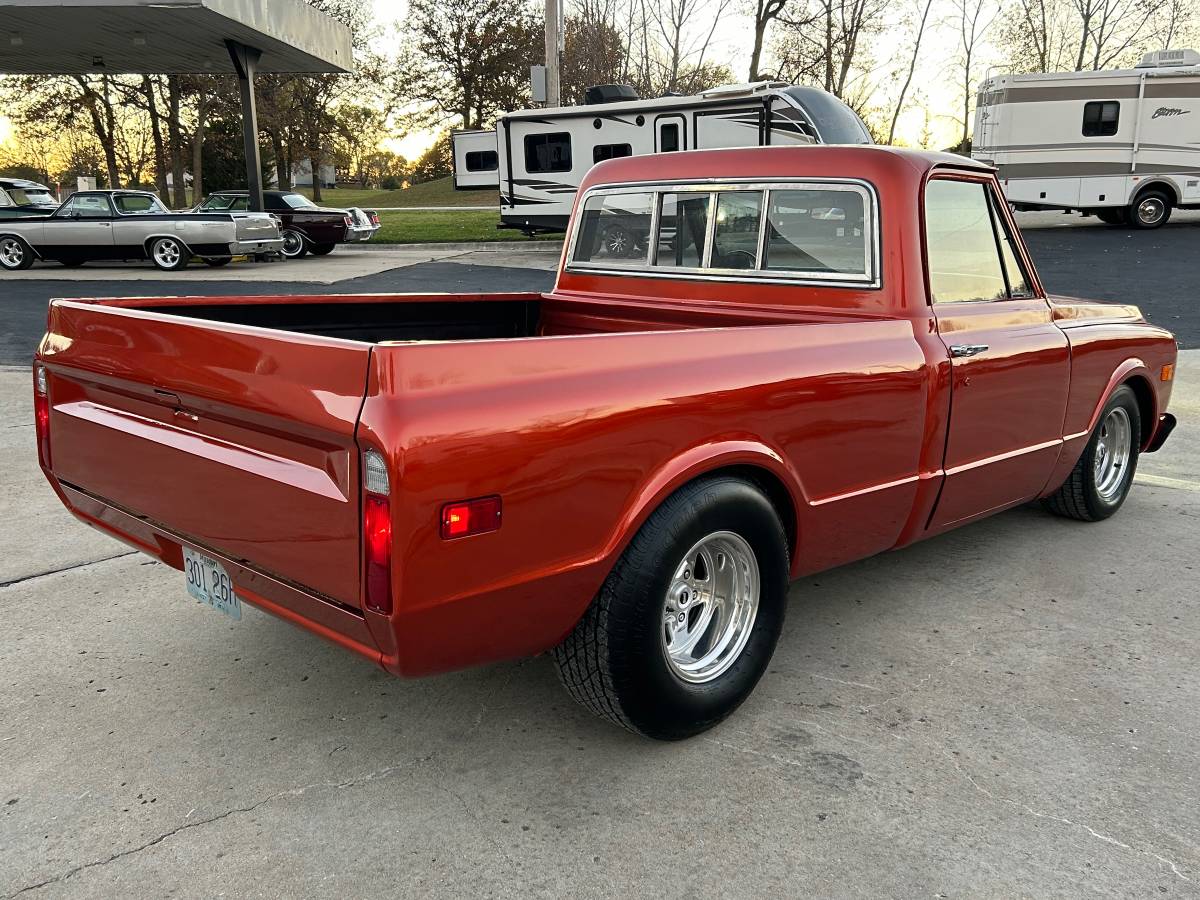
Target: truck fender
[[702, 460], [19, 236], [1130, 370]]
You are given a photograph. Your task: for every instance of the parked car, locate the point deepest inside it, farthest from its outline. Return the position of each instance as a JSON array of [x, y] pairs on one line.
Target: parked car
[[129, 225], [20, 198], [307, 228], [627, 470]]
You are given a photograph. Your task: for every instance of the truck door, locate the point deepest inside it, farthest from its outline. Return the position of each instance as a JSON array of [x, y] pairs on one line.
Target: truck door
[[1010, 363]]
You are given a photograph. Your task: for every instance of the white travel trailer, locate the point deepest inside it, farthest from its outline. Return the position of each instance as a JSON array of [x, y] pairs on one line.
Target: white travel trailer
[[537, 158], [1124, 145]]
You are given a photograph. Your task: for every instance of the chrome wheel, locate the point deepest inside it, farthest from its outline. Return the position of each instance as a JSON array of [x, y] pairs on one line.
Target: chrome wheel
[[167, 253], [710, 607], [617, 242], [12, 253], [293, 244], [1113, 451], [1150, 210]]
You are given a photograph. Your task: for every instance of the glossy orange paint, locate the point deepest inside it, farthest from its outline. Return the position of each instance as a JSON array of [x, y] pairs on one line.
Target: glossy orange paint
[[843, 402]]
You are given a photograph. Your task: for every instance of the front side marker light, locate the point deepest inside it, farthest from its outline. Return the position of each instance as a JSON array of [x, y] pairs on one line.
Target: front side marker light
[[1168, 372], [467, 517]]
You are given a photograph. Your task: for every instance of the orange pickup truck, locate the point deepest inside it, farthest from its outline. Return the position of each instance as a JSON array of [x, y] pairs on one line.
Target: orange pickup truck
[[792, 358]]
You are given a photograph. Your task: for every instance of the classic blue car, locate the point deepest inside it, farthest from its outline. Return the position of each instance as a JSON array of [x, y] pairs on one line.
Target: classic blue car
[[19, 198]]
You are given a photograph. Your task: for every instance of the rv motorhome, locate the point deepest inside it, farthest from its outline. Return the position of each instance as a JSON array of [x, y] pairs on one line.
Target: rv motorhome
[[537, 158], [1123, 145]]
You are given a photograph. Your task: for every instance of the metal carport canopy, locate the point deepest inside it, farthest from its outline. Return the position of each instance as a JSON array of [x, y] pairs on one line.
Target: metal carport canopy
[[77, 37]]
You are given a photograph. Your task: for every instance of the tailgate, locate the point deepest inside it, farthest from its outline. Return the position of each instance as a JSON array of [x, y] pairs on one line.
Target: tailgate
[[259, 227], [236, 438]]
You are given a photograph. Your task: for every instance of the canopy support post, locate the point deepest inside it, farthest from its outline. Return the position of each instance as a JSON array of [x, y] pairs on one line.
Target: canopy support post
[[245, 63]]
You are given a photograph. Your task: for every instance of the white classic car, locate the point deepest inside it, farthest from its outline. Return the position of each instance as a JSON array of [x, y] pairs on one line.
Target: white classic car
[[129, 225]]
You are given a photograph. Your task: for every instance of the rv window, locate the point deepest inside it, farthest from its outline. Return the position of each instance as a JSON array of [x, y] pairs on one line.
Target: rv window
[[735, 234], [614, 229], [483, 161], [668, 137], [682, 230], [602, 152], [817, 231], [1100, 118], [548, 152], [961, 240]]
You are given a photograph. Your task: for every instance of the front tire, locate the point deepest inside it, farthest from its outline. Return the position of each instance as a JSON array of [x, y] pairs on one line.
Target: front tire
[[169, 254], [1150, 210], [294, 245], [1101, 480], [15, 254], [685, 624]]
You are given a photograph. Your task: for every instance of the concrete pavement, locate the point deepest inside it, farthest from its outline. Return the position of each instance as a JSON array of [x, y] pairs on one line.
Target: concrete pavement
[[1007, 710]]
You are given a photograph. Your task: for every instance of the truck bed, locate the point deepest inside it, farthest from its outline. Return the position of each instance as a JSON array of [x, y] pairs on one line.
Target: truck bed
[[380, 318]]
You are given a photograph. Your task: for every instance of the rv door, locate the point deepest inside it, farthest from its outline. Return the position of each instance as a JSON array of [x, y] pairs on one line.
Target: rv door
[[476, 161], [670, 133]]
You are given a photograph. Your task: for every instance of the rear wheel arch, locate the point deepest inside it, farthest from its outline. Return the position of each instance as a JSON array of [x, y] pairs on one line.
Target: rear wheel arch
[[149, 242], [1165, 187], [749, 461], [1147, 405]]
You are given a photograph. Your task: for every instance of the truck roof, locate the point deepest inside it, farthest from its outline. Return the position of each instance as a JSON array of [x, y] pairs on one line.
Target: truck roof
[[825, 161]]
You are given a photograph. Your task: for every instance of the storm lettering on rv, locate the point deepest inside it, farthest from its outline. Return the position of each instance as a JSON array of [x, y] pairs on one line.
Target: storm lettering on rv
[[1169, 111]]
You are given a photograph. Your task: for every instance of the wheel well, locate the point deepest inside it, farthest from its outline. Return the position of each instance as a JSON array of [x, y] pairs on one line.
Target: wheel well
[[1164, 186], [774, 489], [1146, 405]]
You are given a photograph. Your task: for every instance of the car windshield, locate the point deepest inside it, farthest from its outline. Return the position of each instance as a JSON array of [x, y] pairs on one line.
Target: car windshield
[[32, 197], [138, 204], [224, 202], [297, 201]]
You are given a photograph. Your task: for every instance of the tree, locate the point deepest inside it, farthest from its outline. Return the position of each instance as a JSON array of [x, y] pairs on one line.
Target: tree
[[469, 59], [918, 34], [973, 19], [436, 162], [593, 53], [828, 42], [765, 12]]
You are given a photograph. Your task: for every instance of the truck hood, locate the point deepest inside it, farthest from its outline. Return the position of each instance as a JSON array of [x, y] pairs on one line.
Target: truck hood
[[1075, 308]]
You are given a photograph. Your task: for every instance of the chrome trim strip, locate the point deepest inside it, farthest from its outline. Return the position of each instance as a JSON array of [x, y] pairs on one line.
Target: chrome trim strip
[[1001, 457], [872, 251], [899, 482]]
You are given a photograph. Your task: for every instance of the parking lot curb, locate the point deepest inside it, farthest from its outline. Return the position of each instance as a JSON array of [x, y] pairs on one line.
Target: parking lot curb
[[499, 246]]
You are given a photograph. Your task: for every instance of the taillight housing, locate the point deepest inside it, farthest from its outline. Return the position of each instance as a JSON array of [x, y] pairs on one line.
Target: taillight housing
[[374, 217], [377, 533], [348, 220], [41, 412], [468, 517]]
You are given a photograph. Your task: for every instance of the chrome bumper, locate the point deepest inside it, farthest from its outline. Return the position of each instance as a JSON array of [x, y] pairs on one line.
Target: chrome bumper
[[247, 248], [360, 233]]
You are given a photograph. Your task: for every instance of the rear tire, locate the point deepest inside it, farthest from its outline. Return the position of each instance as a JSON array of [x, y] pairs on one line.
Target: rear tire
[[169, 254], [1150, 210], [1117, 216], [685, 624], [15, 254], [294, 245], [321, 249], [1102, 477]]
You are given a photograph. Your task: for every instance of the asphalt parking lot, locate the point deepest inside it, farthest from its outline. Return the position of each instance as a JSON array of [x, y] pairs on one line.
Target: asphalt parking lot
[[1007, 710]]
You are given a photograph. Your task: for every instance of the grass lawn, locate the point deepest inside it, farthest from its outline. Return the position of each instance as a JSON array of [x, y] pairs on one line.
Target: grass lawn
[[431, 193], [434, 226]]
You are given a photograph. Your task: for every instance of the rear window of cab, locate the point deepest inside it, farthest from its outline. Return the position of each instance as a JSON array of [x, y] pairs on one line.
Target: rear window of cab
[[820, 231]]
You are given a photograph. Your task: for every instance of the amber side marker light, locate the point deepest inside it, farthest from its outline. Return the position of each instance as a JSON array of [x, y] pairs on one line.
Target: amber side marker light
[[1168, 372], [468, 517]]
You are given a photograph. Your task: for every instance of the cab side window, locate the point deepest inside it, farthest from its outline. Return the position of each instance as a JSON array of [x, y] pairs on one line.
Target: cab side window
[[968, 247], [86, 206]]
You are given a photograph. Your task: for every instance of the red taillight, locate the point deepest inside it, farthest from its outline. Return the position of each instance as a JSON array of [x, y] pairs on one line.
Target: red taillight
[[470, 517], [377, 532], [41, 413], [349, 221], [374, 218]]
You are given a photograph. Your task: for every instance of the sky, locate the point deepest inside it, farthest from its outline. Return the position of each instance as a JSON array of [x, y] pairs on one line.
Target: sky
[[935, 79]]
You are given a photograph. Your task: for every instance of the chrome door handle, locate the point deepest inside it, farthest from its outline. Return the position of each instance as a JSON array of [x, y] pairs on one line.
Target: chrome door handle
[[961, 350]]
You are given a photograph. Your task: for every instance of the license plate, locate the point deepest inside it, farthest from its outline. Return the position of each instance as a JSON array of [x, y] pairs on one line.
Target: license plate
[[209, 583]]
